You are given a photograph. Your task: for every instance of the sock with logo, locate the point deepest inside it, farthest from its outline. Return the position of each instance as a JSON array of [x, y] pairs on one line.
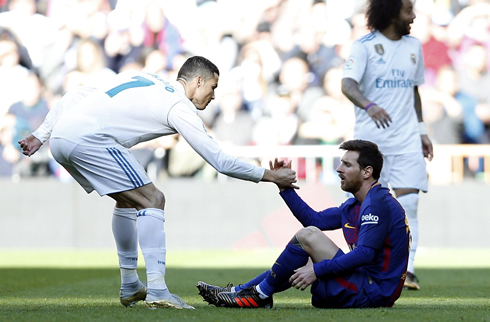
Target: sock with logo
[[126, 238], [293, 257], [151, 235], [410, 202]]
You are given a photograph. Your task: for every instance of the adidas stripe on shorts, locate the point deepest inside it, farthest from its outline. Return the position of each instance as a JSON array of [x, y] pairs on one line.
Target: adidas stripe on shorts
[[104, 169]]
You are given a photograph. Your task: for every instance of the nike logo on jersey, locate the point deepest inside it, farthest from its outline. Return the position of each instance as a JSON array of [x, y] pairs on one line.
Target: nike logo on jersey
[[347, 225]]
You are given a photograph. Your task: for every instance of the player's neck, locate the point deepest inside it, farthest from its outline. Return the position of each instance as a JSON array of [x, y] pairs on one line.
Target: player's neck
[[187, 90], [361, 194], [391, 33]]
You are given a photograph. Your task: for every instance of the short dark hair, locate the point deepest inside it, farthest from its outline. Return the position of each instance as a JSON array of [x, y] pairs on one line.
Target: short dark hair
[[369, 154], [380, 13], [197, 66]]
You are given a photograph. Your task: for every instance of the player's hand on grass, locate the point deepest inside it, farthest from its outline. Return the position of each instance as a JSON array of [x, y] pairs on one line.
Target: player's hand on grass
[[303, 277], [283, 169], [30, 145], [379, 116], [427, 147]]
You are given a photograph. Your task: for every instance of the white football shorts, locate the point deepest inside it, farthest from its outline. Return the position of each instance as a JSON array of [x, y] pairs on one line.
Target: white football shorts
[[105, 169], [404, 171]]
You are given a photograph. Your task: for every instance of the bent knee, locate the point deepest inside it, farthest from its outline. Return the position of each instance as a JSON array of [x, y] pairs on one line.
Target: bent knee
[[153, 198], [158, 200], [306, 235]]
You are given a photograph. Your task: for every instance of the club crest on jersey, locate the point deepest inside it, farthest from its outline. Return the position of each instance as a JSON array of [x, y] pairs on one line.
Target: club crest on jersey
[[412, 57], [379, 49]]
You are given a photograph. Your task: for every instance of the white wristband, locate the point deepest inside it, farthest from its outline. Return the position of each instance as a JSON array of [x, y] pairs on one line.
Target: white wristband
[[422, 128]]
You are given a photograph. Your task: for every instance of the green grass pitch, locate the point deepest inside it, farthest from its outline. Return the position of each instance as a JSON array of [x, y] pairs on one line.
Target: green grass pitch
[[84, 285]]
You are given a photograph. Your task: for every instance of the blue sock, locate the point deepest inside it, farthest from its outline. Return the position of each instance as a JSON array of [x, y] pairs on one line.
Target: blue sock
[[293, 257], [255, 281]]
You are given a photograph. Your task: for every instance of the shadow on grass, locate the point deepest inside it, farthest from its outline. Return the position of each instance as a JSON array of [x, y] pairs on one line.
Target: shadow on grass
[[28, 294], [103, 283]]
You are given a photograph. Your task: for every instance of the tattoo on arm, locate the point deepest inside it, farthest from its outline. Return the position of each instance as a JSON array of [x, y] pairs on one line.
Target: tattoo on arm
[[350, 88]]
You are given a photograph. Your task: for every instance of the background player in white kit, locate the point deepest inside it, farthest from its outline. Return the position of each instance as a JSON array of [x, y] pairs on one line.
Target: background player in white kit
[[381, 77], [91, 131]]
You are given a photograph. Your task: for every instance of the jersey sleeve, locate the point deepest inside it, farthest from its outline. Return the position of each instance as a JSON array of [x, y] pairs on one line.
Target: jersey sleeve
[[356, 63], [191, 127], [327, 219], [338, 265], [375, 222], [43, 133]]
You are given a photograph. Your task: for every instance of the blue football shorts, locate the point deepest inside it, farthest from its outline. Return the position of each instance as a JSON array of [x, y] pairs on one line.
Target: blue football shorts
[[347, 291]]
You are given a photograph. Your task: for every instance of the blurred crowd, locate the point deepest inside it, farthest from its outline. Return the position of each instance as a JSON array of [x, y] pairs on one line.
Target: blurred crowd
[[280, 67]]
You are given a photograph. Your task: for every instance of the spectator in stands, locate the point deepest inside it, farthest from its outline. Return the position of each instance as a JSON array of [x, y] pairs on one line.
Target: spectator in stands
[[434, 45], [474, 80], [12, 73], [311, 48], [233, 125], [280, 126], [469, 27], [159, 33], [124, 43], [26, 116], [33, 30], [294, 79], [331, 117], [443, 113], [90, 69], [256, 69], [156, 63], [216, 41]]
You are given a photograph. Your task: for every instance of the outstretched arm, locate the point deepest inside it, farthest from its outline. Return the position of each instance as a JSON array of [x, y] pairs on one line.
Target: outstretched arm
[[191, 127], [281, 174]]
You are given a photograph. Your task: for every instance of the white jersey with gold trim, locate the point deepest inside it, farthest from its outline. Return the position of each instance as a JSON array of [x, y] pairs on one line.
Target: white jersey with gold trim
[[387, 72]]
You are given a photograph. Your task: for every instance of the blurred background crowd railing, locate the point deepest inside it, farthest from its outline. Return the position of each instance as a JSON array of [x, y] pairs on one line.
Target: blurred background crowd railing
[[280, 63]]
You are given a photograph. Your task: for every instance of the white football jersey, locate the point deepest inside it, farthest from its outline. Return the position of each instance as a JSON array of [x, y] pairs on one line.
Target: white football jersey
[[137, 107], [387, 72]]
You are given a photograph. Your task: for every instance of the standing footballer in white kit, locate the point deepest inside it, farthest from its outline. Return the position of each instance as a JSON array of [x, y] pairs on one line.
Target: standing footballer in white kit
[[91, 132], [381, 77]]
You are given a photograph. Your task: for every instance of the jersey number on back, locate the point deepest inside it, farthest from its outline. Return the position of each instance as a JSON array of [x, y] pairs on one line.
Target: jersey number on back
[[139, 82]]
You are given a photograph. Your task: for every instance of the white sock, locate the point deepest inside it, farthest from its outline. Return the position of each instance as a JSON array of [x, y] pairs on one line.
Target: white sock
[[126, 237], [261, 294], [151, 236], [410, 203]]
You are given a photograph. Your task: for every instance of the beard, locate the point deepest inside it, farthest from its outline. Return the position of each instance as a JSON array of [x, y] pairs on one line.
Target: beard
[[402, 28], [352, 186]]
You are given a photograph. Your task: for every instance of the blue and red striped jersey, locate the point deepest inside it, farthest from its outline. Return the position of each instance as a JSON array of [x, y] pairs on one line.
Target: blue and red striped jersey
[[377, 233]]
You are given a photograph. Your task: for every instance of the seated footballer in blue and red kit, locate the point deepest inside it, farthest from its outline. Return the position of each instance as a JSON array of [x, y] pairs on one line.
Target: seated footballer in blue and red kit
[[375, 227]]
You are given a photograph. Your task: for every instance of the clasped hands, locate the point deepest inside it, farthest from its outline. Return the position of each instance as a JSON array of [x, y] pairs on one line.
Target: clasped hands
[[281, 166]]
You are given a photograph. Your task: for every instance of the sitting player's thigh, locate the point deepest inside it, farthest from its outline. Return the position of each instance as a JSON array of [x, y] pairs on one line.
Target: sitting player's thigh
[[409, 171], [109, 169]]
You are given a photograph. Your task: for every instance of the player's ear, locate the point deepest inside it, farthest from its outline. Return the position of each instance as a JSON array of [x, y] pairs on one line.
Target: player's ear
[[199, 81], [367, 172]]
